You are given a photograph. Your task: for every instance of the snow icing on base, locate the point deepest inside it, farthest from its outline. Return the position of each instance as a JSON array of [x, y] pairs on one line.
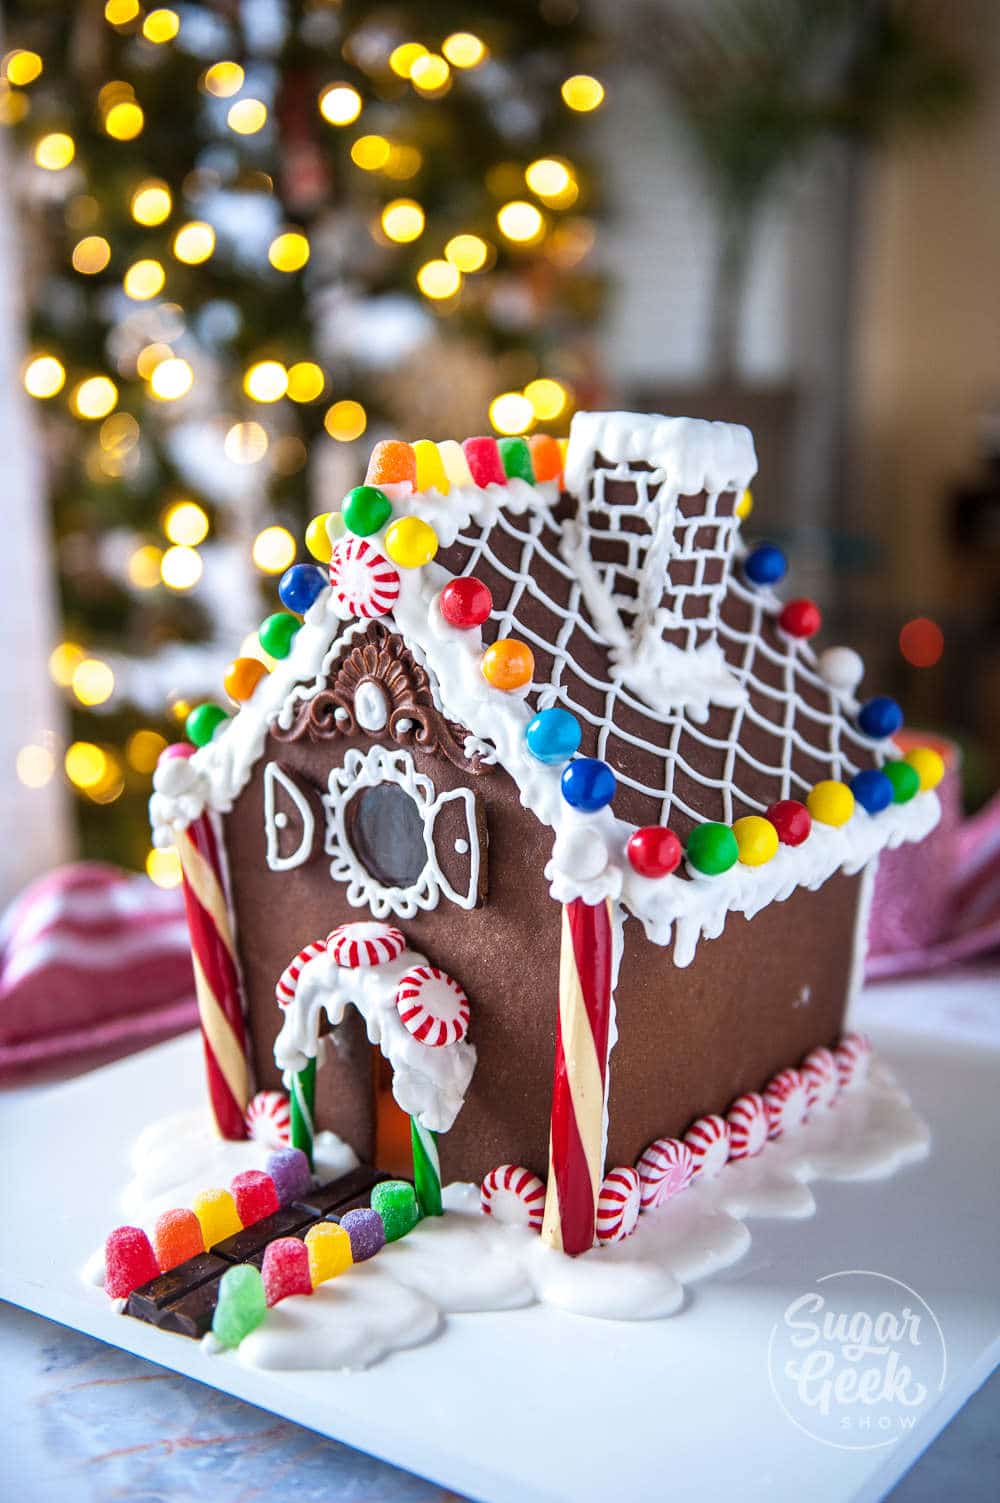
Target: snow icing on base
[[465, 1261]]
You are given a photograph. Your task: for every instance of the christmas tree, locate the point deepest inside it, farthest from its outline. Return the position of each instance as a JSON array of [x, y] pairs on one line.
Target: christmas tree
[[257, 237]]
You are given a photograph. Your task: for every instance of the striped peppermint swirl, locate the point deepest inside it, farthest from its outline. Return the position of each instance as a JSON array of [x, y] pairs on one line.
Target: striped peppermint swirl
[[708, 1140], [362, 579], [360, 946], [284, 992], [268, 1119], [665, 1168], [853, 1056], [618, 1205], [819, 1071], [432, 1006], [786, 1101], [748, 1125], [514, 1196]]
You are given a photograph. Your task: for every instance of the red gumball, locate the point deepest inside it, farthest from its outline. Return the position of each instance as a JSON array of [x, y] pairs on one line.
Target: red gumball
[[654, 851], [466, 602], [791, 819], [800, 618]]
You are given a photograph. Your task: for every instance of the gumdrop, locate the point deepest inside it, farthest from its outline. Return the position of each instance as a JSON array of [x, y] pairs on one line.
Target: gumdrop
[[392, 461], [129, 1261], [367, 1234], [242, 1305], [396, 1204], [286, 1269], [216, 1210], [255, 1196], [484, 460], [177, 1236], [289, 1168], [329, 1249]]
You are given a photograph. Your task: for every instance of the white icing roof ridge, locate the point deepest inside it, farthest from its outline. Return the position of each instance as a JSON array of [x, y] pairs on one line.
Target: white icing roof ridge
[[694, 454]]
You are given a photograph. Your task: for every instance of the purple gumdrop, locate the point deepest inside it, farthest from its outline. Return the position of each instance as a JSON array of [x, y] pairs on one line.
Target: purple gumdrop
[[289, 1168], [366, 1231]]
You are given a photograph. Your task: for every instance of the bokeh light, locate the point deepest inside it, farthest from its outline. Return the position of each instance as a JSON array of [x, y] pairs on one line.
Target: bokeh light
[[582, 92], [121, 12], [151, 203], [439, 279], [511, 412], [186, 522], [164, 867], [94, 398], [305, 381], [430, 75], [194, 242], [64, 660], [144, 280], [340, 104], [142, 750], [144, 567], [93, 682], [403, 220], [55, 151], [245, 443], [124, 121], [21, 67], [464, 50], [161, 26], [273, 550], [223, 79], [402, 58], [467, 252], [345, 421], [85, 764], [247, 116], [181, 567], [266, 381], [91, 255], [521, 222], [44, 376], [171, 379], [370, 152], [34, 766], [921, 641], [548, 398], [289, 251]]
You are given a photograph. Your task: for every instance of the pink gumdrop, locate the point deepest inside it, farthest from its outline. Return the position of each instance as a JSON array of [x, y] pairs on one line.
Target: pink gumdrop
[[129, 1261], [286, 1269], [255, 1196], [483, 458], [176, 749]]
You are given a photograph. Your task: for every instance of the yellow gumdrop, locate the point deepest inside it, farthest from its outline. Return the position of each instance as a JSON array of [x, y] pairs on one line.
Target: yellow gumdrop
[[744, 505], [756, 838], [831, 803], [216, 1212], [411, 542], [329, 1249], [318, 538], [928, 765], [431, 474]]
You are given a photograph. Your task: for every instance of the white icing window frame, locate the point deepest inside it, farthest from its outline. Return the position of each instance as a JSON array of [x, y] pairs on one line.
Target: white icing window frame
[[367, 769]]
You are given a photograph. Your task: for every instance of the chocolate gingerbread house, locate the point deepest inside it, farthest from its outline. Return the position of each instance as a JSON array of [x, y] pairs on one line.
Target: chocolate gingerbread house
[[521, 678]]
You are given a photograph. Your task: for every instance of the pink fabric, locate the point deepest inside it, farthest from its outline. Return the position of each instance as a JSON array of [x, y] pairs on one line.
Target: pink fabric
[[92, 959]]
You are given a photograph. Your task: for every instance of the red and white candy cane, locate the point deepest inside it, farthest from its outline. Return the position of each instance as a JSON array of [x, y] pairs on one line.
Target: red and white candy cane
[[853, 1056], [819, 1071], [748, 1126], [362, 579], [514, 1196], [618, 1205], [708, 1140], [786, 1101], [217, 979], [576, 1132], [284, 992], [665, 1168], [365, 944]]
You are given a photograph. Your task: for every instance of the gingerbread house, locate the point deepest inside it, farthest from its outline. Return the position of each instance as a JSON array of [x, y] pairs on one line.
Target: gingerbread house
[[535, 700]]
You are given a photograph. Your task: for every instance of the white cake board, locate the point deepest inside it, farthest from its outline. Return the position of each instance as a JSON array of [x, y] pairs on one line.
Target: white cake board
[[537, 1404]]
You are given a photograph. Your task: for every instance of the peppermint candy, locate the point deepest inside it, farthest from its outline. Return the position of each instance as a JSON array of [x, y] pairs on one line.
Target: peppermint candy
[[284, 992], [819, 1071], [358, 947], [618, 1205], [362, 579], [268, 1119], [665, 1169], [853, 1056], [786, 1101], [748, 1126], [514, 1196], [432, 1006], [708, 1140]]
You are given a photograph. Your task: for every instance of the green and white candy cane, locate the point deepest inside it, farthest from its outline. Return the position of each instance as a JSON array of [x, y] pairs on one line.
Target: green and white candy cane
[[302, 1101], [426, 1169]]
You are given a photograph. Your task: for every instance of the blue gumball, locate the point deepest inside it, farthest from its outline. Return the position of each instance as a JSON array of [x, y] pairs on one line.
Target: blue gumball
[[553, 735], [880, 717], [872, 790], [588, 784], [300, 586], [765, 565]]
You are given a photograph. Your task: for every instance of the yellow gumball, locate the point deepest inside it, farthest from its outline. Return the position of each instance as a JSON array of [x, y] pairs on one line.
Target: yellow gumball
[[756, 838], [411, 542], [928, 765], [744, 505], [831, 803], [318, 538]]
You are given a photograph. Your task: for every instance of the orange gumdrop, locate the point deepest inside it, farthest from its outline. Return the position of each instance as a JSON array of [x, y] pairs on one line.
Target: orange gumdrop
[[177, 1237], [546, 457], [242, 677], [508, 664], [392, 461]]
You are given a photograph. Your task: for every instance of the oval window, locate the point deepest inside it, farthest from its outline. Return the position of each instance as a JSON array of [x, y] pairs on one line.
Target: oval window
[[385, 828]]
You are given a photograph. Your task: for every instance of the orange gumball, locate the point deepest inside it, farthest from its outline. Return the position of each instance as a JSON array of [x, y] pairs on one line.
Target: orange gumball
[[392, 461], [508, 664], [242, 677]]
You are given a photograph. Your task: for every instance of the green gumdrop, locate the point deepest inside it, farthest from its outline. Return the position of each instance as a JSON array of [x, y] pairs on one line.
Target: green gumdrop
[[396, 1204], [712, 849], [203, 722], [277, 633], [365, 510], [516, 458], [242, 1304], [905, 781]]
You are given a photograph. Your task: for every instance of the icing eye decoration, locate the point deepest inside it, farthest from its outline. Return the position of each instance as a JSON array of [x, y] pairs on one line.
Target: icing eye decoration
[[366, 509], [872, 789], [553, 736], [466, 602], [800, 618], [411, 543], [392, 463], [880, 717], [588, 784], [508, 664], [203, 722], [712, 849], [363, 581], [765, 565], [905, 780], [831, 803], [301, 586], [792, 821], [654, 851]]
